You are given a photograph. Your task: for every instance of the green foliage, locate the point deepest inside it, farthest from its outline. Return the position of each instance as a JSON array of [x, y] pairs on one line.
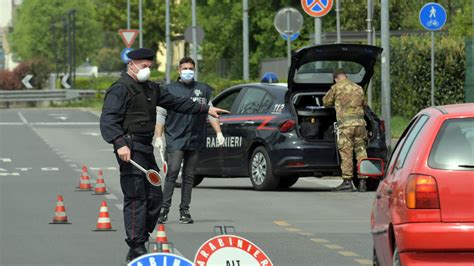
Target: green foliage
[[410, 61], [108, 60], [398, 125], [33, 35]]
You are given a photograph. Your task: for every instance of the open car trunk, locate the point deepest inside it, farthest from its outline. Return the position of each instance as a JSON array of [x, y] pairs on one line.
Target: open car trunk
[[316, 123]]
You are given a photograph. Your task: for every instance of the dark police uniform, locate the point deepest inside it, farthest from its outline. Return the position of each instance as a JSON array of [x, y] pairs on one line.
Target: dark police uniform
[[128, 119], [185, 137]]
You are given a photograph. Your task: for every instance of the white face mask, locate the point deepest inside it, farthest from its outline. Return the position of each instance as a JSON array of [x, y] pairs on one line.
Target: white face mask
[[143, 74], [187, 74]]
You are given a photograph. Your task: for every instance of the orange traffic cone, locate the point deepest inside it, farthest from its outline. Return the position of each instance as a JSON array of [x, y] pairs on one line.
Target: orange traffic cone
[[60, 216], [162, 239], [103, 222], [84, 183], [100, 188]]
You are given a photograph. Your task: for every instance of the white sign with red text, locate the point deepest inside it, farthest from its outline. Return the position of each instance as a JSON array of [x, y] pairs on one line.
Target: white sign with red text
[[230, 250]]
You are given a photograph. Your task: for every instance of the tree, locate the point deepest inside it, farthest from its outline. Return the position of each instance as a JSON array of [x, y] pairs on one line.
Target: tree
[[33, 35]]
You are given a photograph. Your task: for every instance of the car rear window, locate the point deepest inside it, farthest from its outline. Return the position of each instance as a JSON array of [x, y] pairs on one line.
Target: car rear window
[[454, 145], [321, 72]]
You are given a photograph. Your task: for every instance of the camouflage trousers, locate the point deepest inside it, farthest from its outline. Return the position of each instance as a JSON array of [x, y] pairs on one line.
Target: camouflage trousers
[[351, 140]]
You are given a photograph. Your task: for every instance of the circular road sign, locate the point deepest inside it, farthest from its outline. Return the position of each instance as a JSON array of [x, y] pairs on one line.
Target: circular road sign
[[188, 34], [285, 15], [433, 16], [316, 8]]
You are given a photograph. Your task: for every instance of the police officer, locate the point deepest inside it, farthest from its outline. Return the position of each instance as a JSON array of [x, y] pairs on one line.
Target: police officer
[[185, 137], [348, 99], [128, 122]]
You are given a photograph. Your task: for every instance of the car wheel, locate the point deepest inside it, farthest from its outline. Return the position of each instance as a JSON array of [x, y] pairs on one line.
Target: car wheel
[[260, 171], [286, 182], [396, 258], [375, 260]]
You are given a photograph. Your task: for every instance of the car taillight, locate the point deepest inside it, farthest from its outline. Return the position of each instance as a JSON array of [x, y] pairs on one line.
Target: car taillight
[[382, 127], [422, 192], [287, 125]]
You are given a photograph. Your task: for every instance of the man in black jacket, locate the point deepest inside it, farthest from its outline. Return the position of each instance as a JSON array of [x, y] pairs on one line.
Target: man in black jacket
[[185, 137], [128, 122]]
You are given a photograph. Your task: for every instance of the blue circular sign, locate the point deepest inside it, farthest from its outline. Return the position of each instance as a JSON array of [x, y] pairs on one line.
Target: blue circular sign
[[433, 16], [123, 55], [292, 37], [164, 259]]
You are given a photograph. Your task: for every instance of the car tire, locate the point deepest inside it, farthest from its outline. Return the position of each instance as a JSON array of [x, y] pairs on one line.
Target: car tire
[[260, 171], [396, 258], [287, 182]]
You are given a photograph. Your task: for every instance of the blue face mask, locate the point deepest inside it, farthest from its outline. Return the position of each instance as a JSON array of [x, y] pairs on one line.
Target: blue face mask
[[187, 74]]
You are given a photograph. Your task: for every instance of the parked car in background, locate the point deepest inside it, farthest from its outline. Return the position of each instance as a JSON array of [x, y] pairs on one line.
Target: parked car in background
[[423, 213]]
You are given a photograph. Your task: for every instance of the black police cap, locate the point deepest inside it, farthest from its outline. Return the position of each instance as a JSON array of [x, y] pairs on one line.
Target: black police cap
[[141, 54]]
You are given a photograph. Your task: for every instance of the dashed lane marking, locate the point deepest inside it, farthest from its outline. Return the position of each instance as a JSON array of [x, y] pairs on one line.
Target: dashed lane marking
[[348, 254], [332, 246], [306, 234], [281, 223], [363, 261]]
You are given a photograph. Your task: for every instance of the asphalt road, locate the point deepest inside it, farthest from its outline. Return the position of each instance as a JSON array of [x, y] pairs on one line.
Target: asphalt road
[[41, 155]]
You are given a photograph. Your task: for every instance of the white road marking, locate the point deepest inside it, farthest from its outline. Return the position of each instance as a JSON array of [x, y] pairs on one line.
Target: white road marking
[[334, 246], [103, 168], [73, 165], [47, 169], [95, 134], [348, 254], [61, 117], [11, 123], [22, 118], [57, 114], [65, 123], [9, 174], [23, 169], [6, 160], [119, 206], [111, 197], [3, 170]]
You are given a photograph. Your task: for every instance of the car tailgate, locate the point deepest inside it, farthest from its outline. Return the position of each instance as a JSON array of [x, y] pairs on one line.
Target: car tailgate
[[456, 195]]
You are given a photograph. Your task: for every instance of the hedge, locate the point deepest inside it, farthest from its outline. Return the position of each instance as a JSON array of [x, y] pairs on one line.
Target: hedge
[[410, 63]]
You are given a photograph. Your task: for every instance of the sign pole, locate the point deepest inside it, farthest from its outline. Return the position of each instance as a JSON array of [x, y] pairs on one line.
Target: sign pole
[[288, 40], [338, 23], [386, 92], [432, 69], [317, 30], [140, 23], [128, 14], [369, 42], [245, 26], [168, 44], [193, 10]]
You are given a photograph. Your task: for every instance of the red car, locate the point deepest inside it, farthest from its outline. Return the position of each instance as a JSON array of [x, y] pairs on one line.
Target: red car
[[423, 213]]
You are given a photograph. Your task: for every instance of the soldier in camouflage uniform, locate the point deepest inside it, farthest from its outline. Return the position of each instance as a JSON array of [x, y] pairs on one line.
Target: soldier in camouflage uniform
[[348, 99]]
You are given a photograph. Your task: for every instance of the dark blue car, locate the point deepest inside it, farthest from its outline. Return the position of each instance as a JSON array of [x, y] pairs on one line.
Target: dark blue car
[[278, 132]]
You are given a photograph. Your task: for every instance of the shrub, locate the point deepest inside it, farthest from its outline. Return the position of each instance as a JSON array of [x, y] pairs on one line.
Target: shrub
[[9, 81]]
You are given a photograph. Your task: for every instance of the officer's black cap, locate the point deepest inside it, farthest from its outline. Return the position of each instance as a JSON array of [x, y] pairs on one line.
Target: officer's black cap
[[338, 71], [141, 54]]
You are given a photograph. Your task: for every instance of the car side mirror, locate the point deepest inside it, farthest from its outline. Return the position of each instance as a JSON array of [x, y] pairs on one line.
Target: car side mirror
[[372, 167]]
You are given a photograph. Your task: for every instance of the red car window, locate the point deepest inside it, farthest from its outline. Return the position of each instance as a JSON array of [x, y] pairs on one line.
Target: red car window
[[454, 145]]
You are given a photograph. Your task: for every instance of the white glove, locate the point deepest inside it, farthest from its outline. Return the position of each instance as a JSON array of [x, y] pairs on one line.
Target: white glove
[[220, 139], [159, 145]]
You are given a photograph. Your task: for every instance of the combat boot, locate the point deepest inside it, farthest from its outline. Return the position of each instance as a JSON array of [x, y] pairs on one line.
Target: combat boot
[[136, 251], [346, 186], [163, 215], [362, 185]]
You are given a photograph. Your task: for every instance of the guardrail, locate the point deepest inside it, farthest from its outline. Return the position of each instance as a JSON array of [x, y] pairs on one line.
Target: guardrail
[[44, 95]]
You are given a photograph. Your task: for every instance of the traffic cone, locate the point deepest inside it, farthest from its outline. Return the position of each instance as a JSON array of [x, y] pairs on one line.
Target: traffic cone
[[84, 183], [60, 216], [103, 222], [100, 188], [162, 239]]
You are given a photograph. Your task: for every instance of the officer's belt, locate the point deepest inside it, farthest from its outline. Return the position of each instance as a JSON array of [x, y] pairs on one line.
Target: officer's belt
[[144, 139], [349, 118]]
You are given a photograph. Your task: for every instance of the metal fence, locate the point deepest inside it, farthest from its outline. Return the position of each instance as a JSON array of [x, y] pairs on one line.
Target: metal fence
[[45, 95]]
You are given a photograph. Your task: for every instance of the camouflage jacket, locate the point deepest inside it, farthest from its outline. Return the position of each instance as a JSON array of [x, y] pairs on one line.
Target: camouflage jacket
[[348, 99]]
